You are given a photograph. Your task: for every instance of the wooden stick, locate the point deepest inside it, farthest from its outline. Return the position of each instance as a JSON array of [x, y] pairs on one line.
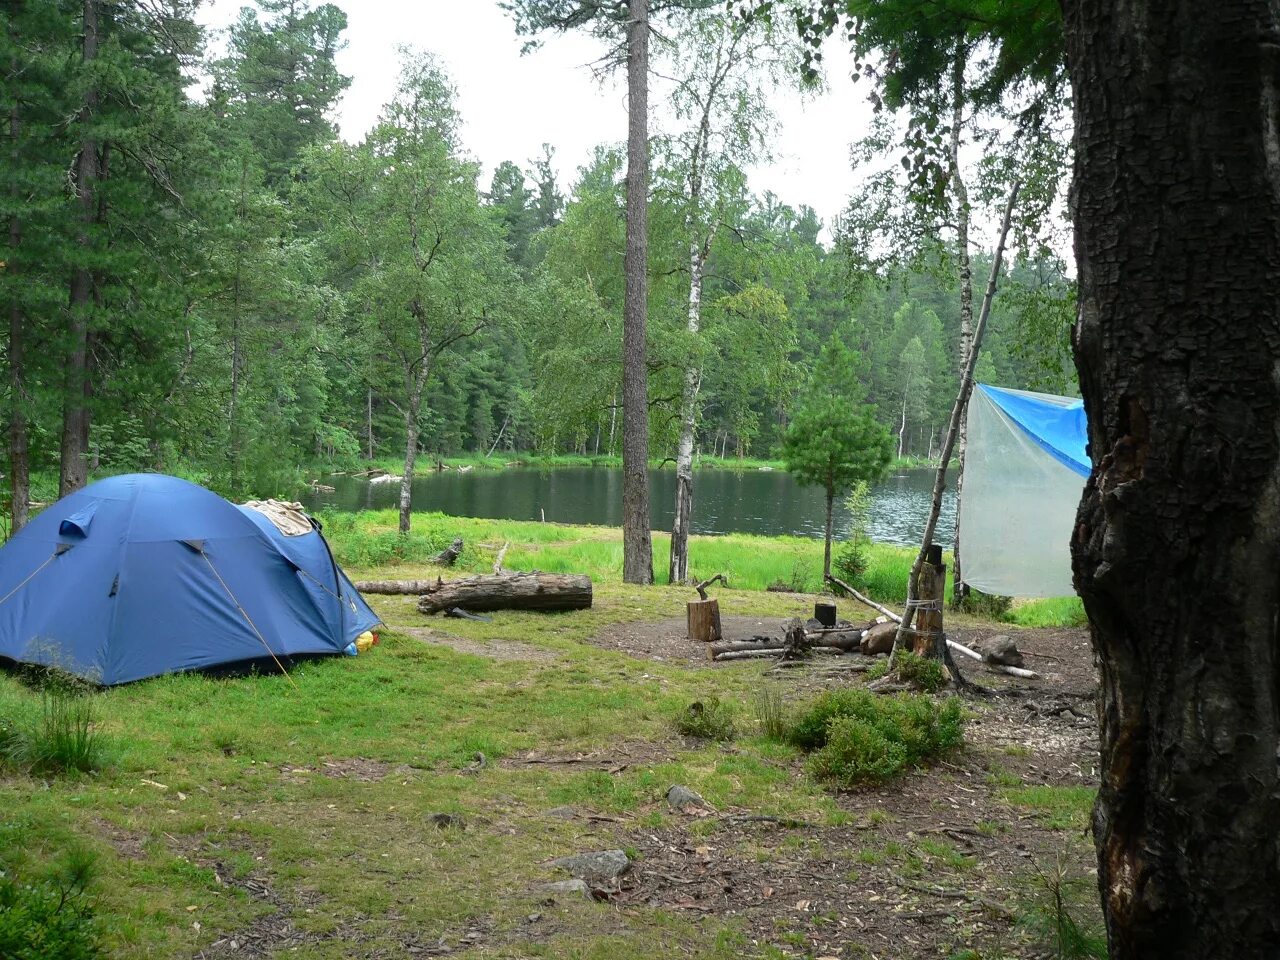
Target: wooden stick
[[861, 599], [772, 652], [999, 667], [963, 649], [702, 587]]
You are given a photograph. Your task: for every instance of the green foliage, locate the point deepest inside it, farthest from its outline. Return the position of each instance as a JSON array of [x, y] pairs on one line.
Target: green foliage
[[850, 562], [924, 673], [62, 739], [989, 606], [858, 737], [45, 908], [1063, 914], [709, 719]]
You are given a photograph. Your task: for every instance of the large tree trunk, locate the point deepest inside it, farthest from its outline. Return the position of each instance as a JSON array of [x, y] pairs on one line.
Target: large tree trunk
[[1177, 240], [637, 549], [19, 464], [965, 276], [75, 409]]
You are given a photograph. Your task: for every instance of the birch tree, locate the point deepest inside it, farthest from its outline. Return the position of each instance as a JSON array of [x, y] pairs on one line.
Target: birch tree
[[729, 66], [422, 263]]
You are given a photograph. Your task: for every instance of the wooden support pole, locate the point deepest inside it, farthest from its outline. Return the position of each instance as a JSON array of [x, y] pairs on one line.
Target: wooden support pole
[[927, 637]]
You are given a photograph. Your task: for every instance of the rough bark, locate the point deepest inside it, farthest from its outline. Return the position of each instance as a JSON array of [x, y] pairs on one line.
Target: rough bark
[[1177, 213], [75, 410], [395, 587], [510, 591], [19, 464], [637, 547], [828, 531], [411, 410], [702, 620], [964, 273]]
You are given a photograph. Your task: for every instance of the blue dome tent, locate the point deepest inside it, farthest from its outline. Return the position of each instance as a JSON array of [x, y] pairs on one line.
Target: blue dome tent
[[144, 574], [1025, 465]]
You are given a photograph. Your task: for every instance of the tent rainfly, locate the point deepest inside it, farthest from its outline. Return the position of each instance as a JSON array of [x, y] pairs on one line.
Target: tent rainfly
[[1025, 465], [144, 574]]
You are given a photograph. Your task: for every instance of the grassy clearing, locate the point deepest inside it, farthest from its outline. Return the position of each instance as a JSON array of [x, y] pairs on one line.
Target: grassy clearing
[[362, 541], [319, 789]]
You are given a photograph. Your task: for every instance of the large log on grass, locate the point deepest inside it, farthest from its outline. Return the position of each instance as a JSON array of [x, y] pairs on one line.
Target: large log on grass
[[395, 586], [509, 591]]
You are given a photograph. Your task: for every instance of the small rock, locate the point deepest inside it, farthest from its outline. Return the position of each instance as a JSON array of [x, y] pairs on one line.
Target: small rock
[[534, 917], [683, 800], [567, 886], [562, 813], [1001, 649], [446, 821], [601, 866]]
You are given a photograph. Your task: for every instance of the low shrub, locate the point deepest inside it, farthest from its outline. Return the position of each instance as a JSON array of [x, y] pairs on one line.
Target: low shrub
[[991, 606], [857, 752], [858, 737], [45, 909], [925, 673], [709, 719]]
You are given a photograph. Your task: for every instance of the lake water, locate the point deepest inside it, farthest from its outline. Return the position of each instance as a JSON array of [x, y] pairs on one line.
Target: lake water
[[766, 502]]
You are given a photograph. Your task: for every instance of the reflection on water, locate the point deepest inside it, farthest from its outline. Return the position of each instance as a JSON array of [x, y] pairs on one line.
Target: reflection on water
[[725, 501]]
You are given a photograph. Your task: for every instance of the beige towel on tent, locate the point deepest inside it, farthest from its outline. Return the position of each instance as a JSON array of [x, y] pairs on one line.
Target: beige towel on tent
[[289, 518]]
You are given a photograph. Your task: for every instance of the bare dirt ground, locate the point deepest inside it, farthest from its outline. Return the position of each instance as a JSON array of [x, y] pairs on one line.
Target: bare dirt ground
[[940, 862]]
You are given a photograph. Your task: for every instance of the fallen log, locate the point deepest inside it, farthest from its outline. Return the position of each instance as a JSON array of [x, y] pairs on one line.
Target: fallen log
[[509, 591], [395, 586]]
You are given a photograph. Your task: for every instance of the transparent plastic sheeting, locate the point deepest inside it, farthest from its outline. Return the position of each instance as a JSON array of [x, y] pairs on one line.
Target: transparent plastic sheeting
[[1024, 469]]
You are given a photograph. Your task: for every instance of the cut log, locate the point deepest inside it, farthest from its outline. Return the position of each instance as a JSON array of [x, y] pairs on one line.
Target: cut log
[[449, 556], [703, 617], [512, 591], [931, 586], [395, 586]]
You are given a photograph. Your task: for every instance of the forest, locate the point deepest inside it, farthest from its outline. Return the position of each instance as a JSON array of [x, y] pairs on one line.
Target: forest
[[202, 278]]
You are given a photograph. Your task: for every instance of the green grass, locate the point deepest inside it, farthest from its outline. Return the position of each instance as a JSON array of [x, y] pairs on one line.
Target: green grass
[[320, 788], [1051, 612], [1058, 808]]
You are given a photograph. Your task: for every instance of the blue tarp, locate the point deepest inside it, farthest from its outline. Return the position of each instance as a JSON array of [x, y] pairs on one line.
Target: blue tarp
[[144, 574], [1059, 429]]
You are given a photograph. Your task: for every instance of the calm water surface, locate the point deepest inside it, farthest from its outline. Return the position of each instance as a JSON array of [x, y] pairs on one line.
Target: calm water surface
[[766, 502]]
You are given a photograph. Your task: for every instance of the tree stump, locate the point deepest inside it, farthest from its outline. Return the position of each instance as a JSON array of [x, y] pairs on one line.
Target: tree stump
[[704, 620]]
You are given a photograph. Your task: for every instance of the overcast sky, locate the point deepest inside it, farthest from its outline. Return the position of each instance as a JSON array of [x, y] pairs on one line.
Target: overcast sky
[[512, 104]]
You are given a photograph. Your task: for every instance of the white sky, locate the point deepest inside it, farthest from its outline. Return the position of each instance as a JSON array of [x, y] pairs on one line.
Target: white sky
[[512, 104]]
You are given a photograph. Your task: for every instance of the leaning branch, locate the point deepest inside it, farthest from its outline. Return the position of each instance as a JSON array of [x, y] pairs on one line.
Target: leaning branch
[[953, 428]]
